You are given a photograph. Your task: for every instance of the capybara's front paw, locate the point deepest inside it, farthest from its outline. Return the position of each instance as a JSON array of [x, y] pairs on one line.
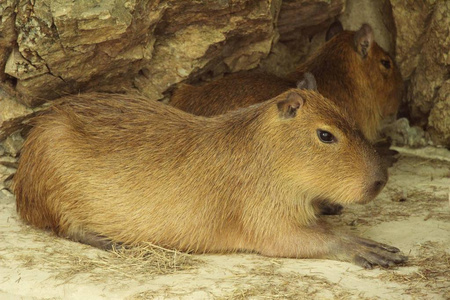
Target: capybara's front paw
[[367, 253]]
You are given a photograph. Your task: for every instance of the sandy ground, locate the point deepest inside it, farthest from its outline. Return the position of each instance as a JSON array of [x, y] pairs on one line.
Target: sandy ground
[[412, 213]]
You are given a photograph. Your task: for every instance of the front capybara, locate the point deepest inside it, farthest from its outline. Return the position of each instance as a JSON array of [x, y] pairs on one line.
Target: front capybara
[[103, 169], [351, 69]]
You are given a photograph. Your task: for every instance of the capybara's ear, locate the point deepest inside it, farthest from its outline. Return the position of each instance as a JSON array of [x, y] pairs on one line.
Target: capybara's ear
[[334, 29], [364, 40], [289, 106], [308, 82]]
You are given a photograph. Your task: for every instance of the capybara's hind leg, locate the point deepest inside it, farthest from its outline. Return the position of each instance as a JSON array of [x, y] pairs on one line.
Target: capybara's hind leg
[[95, 240]]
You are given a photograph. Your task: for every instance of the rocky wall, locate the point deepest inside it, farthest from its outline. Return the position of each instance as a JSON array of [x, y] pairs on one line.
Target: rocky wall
[[423, 55]]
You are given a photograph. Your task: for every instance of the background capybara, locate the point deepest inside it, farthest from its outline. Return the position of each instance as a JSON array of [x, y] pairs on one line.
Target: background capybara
[[101, 169], [351, 69]]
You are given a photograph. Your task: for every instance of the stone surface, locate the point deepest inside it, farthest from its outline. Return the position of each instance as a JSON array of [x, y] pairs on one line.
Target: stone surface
[[12, 113], [68, 46], [301, 26], [307, 17], [401, 133], [13, 144], [410, 21], [423, 54], [8, 167], [283, 59], [439, 120], [7, 32], [376, 13], [228, 37]]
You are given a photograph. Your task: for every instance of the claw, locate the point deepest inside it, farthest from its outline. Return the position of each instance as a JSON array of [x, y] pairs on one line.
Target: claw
[[373, 244], [361, 261], [367, 253], [391, 264], [401, 259], [390, 248], [375, 258]]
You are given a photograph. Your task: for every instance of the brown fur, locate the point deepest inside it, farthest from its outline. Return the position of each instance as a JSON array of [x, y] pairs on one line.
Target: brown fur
[[101, 168], [347, 73]]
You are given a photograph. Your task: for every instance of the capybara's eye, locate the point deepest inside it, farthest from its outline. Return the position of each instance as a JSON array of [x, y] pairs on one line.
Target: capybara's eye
[[386, 63], [325, 136]]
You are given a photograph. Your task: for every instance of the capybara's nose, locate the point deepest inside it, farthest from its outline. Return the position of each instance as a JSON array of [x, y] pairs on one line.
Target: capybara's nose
[[378, 186], [380, 179]]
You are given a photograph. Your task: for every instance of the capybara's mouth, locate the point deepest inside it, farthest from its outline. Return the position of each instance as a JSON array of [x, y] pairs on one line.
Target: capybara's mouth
[[365, 200]]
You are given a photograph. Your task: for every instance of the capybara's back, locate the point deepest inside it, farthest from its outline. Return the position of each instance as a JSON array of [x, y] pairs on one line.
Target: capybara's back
[[104, 169], [229, 93], [351, 69]]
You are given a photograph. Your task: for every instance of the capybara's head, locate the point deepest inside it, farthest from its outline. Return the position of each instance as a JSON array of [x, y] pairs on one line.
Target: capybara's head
[[382, 71], [322, 153], [351, 66]]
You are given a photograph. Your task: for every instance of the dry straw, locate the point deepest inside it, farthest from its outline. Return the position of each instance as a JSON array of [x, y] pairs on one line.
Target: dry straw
[[66, 259]]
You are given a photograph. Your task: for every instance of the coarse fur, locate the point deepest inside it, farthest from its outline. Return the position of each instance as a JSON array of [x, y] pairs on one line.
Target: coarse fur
[[104, 169], [351, 69]]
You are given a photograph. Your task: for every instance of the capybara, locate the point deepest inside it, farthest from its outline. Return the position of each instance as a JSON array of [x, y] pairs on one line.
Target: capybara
[[104, 169], [350, 68]]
